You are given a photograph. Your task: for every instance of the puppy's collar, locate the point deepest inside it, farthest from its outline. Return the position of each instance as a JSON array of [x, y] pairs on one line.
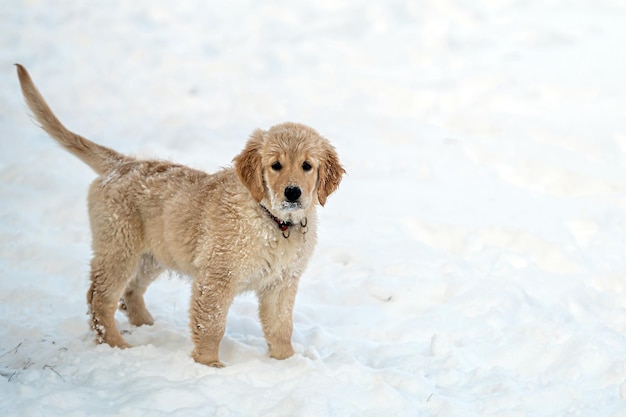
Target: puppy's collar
[[286, 225]]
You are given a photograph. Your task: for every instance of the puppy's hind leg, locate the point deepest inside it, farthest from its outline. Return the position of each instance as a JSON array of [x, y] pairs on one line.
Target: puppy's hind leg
[[108, 279], [116, 254], [147, 270]]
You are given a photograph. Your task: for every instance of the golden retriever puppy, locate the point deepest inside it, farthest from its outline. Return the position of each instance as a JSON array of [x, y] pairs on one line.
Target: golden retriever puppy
[[247, 228]]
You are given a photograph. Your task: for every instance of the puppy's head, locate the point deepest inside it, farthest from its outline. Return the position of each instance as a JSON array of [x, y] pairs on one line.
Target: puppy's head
[[289, 167]]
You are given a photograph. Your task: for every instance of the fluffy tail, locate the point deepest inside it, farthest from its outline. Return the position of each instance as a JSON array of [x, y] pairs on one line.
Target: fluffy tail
[[99, 158]]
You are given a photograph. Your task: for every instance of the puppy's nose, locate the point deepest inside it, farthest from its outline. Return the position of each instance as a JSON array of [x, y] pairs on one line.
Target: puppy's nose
[[293, 193]]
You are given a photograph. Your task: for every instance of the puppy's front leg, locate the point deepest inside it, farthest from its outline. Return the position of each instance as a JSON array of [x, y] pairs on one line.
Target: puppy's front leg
[[276, 314], [210, 301]]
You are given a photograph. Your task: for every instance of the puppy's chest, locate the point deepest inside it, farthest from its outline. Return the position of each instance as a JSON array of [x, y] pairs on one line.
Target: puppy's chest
[[275, 260]]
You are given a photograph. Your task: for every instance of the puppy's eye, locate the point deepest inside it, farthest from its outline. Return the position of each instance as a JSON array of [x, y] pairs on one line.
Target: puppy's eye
[[306, 166], [276, 166]]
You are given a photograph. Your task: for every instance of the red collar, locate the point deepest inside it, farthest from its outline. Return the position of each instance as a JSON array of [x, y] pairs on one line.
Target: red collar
[[285, 225]]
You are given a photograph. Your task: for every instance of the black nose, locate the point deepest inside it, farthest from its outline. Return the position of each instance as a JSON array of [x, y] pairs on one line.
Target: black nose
[[293, 193]]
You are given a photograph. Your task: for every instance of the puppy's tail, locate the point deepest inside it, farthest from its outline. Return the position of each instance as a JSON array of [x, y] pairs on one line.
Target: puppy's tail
[[99, 158]]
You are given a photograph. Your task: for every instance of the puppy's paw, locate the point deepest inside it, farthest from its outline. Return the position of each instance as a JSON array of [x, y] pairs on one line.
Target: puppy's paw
[[207, 360], [281, 352], [140, 318]]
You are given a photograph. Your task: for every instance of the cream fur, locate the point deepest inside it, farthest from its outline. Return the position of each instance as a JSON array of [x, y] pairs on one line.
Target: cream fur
[[147, 216]]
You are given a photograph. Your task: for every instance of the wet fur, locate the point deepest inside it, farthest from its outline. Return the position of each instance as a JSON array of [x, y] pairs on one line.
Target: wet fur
[[147, 216]]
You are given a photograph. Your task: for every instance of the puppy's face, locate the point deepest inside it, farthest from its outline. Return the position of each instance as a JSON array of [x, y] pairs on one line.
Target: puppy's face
[[290, 176], [289, 168]]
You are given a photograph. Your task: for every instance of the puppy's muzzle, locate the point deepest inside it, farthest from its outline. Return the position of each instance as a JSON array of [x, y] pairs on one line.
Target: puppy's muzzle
[[292, 194]]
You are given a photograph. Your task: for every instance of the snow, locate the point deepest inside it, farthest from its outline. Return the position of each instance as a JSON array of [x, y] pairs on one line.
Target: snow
[[471, 263]]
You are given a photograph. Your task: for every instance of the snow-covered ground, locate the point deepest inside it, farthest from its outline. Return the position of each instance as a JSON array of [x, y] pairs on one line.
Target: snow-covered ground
[[472, 262]]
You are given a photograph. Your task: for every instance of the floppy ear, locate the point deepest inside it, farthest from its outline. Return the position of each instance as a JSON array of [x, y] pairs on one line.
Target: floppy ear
[[329, 175], [248, 165]]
